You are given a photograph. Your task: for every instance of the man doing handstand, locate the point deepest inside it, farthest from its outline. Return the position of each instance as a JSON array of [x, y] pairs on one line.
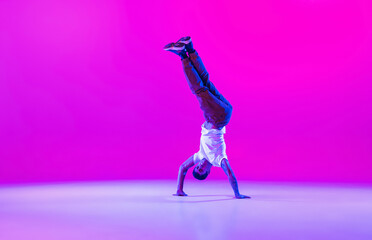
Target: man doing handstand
[[217, 113]]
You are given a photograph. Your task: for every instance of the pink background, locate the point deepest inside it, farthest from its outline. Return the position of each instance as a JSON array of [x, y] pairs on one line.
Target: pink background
[[87, 93]]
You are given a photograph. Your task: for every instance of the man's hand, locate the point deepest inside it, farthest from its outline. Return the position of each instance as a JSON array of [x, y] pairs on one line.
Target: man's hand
[[225, 165], [241, 196], [180, 193], [181, 175]]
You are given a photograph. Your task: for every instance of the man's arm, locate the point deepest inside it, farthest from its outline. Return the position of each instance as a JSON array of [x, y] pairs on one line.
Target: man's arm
[[181, 175], [232, 179]]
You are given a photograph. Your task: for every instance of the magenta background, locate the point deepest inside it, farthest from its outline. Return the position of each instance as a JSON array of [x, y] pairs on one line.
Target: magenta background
[[87, 93]]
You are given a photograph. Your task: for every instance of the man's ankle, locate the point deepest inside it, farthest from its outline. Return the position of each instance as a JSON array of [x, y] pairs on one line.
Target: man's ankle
[[189, 48], [183, 54]]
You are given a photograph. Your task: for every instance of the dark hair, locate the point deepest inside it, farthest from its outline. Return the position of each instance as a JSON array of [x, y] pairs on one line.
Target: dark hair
[[198, 176]]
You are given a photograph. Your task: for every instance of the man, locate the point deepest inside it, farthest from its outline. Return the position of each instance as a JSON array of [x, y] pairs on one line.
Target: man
[[217, 112]]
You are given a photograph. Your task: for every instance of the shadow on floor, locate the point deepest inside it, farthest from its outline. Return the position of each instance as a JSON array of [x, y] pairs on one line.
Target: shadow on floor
[[201, 198]]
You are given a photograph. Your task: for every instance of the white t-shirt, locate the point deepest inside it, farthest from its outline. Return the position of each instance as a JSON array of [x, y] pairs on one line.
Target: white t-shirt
[[212, 146]]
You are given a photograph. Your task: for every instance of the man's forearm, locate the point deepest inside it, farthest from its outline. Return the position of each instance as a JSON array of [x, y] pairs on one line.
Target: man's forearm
[[181, 177], [182, 173], [234, 185]]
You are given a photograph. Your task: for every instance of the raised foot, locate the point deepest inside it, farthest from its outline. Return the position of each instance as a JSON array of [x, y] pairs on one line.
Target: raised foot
[[174, 47], [177, 48], [185, 40], [188, 44]]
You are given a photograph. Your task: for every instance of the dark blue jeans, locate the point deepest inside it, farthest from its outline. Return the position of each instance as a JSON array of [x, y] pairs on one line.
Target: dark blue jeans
[[216, 109]]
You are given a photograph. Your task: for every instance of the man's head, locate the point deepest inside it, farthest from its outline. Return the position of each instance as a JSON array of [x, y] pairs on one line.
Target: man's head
[[202, 170]]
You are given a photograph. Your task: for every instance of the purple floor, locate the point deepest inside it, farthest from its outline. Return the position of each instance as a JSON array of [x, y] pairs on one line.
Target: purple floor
[[147, 210]]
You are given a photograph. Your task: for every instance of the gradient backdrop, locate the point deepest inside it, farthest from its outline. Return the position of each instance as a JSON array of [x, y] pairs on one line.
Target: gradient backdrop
[[87, 93]]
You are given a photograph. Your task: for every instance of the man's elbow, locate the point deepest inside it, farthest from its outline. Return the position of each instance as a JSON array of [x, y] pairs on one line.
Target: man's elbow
[[183, 168]]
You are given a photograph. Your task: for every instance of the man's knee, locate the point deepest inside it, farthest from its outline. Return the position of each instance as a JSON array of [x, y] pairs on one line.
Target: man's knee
[[227, 112], [199, 90], [223, 118]]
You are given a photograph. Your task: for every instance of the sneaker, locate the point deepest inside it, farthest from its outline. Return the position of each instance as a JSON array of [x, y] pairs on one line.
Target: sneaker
[[185, 40], [177, 48], [188, 44]]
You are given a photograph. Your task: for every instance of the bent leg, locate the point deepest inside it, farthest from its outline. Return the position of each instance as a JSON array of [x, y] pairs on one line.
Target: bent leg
[[193, 79], [214, 109], [202, 71]]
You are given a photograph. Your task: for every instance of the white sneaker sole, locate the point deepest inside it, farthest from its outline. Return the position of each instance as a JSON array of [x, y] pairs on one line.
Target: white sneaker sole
[[185, 41], [174, 48]]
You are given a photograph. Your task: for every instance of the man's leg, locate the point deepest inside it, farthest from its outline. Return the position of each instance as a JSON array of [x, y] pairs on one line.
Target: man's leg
[[200, 68], [202, 71], [215, 110]]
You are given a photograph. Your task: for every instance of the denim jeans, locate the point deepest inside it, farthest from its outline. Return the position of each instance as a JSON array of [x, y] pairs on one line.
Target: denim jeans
[[216, 109]]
